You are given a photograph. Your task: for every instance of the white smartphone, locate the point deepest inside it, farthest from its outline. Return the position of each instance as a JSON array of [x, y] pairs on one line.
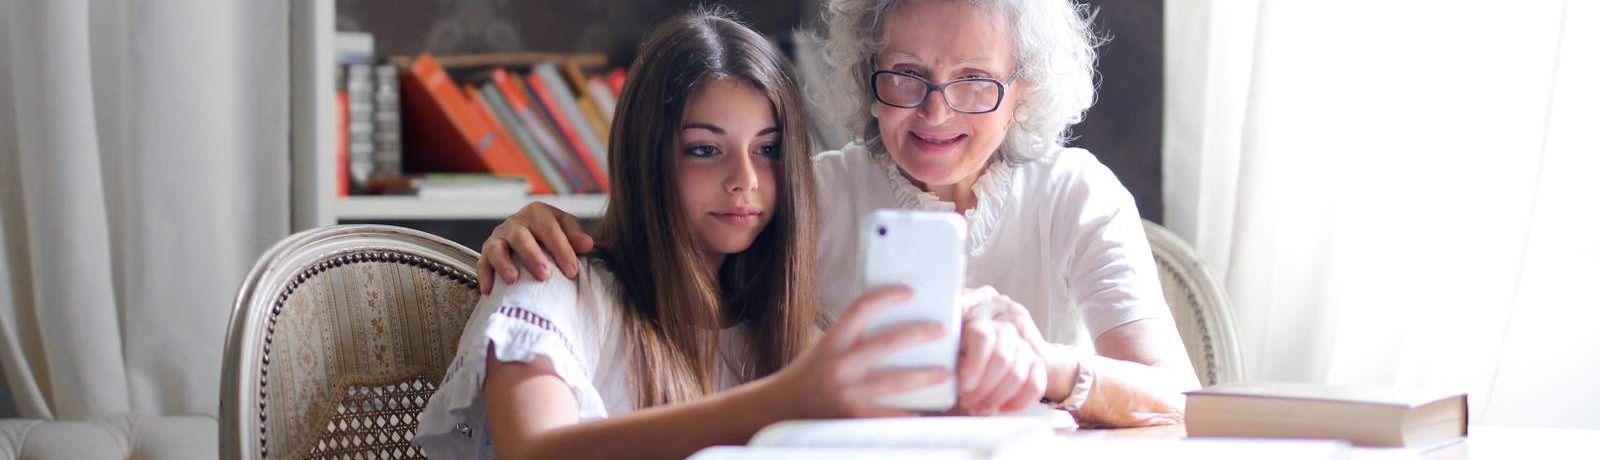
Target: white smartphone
[[925, 251]]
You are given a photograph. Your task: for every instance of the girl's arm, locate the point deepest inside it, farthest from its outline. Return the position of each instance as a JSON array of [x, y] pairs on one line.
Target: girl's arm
[[534, 414]]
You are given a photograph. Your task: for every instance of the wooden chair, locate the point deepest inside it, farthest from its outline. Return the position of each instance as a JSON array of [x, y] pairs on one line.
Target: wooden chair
[[1199, 306]]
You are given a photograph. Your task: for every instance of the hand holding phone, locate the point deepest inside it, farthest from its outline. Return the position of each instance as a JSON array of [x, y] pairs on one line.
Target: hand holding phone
[[925, 251]]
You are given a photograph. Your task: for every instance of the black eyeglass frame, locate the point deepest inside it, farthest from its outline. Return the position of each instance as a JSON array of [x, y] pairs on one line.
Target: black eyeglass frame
[[931, 87]]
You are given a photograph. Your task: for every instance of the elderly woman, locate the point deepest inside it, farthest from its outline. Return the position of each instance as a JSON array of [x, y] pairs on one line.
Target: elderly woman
[[963, 106]]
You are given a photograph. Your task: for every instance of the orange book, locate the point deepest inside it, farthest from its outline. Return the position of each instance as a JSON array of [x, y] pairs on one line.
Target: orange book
[[445, 133], [341, 143], [524, 168], [565, 125]]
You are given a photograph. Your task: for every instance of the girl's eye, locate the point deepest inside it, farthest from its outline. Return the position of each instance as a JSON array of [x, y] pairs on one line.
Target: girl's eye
[[769, 150], [909, 72], [700, 151], [971, 76]]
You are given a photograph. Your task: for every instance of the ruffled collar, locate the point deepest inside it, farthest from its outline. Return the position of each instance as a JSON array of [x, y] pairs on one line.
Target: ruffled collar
[[993, 188]]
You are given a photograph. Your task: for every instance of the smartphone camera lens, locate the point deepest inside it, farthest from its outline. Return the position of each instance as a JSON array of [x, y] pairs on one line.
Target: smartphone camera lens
[[882, 231]]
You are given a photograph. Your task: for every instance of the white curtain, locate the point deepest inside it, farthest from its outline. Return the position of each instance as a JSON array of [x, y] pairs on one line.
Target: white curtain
[[143, 167], [1401, 193]]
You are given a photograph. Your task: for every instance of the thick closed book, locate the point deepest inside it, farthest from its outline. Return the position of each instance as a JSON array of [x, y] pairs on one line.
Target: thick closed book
[[1363, 415]]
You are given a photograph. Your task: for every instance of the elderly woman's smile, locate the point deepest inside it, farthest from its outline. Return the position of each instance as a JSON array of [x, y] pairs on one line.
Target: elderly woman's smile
[[934, 142], [943, 140]]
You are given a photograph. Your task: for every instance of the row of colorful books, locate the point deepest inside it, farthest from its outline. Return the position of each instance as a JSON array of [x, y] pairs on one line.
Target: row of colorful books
[[548, 123]]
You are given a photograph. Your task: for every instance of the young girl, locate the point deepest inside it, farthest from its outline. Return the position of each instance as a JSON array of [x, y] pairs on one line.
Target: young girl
[[701, 281]]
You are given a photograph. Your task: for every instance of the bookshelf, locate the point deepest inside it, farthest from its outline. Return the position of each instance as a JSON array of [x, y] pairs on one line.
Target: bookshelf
[[453, 31], [314, 201], [403, 207]]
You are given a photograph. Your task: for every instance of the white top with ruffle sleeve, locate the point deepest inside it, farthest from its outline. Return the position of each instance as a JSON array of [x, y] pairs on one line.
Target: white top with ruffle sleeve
[[577, 324]]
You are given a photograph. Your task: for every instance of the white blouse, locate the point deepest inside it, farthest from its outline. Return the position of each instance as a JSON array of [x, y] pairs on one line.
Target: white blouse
[[1059, 234], [577, 324]]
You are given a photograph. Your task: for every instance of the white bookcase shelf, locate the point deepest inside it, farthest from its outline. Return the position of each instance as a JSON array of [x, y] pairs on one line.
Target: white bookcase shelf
[[311, 73], [401, 207], [314, 201]]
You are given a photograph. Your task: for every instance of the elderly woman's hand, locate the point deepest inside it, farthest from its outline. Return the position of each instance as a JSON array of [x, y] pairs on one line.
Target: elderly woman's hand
[[1000, 368], [526, 235]]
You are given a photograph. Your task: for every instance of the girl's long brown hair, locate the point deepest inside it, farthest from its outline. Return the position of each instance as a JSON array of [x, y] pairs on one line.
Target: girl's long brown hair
[[673, 303]]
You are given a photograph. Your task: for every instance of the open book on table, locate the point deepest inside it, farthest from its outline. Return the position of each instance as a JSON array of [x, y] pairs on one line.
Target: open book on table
[[1006, 437], [909, 437]]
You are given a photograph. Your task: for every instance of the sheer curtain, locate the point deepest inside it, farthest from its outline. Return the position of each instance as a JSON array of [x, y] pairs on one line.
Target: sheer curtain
[[1398, 193], [143, 167]]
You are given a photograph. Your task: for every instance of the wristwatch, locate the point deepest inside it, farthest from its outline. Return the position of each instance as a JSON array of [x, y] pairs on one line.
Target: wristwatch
[[1080, 388]]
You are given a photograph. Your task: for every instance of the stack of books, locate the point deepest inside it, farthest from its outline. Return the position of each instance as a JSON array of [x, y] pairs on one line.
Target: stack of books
[[366, 115]]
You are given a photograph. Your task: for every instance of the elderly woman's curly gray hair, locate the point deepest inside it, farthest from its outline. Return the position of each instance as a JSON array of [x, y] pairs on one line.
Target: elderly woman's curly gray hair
[[1055, 53]]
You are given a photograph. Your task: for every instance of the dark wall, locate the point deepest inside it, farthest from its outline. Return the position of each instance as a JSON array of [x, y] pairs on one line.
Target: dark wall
[[408, 27], [1124, 127]]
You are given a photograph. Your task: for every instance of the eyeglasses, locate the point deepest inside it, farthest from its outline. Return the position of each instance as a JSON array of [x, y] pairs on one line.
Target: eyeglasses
[[970, 95]]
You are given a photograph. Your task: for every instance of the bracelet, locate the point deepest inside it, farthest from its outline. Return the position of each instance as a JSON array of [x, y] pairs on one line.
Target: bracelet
[[1080, 388]]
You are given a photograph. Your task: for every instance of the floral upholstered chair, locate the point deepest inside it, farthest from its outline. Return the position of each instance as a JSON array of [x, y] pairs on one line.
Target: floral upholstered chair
[[339, 336]]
